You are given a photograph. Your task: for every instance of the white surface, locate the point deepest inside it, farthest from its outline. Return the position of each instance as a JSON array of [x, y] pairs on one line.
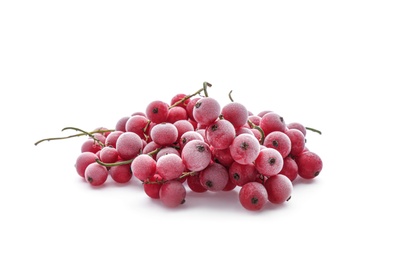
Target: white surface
[[327, 64]]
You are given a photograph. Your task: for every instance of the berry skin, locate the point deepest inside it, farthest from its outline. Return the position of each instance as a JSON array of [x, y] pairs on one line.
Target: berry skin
[[309, 165], [188, 136], [137, 124], [143, 167], [279, 188], [214, 177], [164, 134], [83, 160], [269, 162], [179, 97], [241, 174], [153, 186], [120, 173], [206, 110], [172, 193], [290, 168], [170, 166], [279, 141], [111, 139], [220, 134], [236, 113], [90, 145], [108, 154], [194, 183], [129, 145], [96, 174], [244, 148], [298, 126], [121, 124], [298, 141], [157, 111], [176, 114], [190, 107], [272, 121], [196, 155], [253, 196]]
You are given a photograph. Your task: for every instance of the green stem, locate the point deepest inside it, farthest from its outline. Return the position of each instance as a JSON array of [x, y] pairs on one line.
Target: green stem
[[252, 125], [205, 85], [314, 130], [125, 162], [86, 133], [230, 96], [71, 136]]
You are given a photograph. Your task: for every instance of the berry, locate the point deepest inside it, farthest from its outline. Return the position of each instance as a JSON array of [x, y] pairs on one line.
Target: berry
[[96, 174], [279, 188], [244, 149], [220, 134], [253, 196], [172, 193], [214, 177], [269, 162], [157, 111], [206, 110], [309, 165], [83, 160], [170, 166], [120, 173], [164, 134], [129, 145], [196, 155], [143, 167], [272, 121], [236, 113], [279, 141]]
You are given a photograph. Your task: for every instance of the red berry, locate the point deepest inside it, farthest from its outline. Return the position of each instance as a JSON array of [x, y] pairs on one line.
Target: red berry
[[253, 196], [309, 165]]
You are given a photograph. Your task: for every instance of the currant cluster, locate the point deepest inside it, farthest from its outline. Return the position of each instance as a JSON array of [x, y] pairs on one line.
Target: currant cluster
[[193, 144]]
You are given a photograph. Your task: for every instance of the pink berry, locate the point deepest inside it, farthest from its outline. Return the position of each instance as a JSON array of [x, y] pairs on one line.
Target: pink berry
[[83, 160], [167, 150], [188, 136], [137, 124], [253, 196], [241, 174], [190, 107], [269, 162], [222, 156], [206, 110], [96, 174], [279, 188], [172, 193], [170, 166], [214, 177], [176, 114], [157, 111], [298, 126], [178, 98], [121, 124], [309, 165], [164, 134], [279, 141], [129, 145], [220, 134], [108, 154], [298, 141], [111, 139], [290, 168], [236, 113], [153, 186], [120, 173], [196, 155], [90, 145], [143, 167], [194, 183], [272, 122], [244, 148]]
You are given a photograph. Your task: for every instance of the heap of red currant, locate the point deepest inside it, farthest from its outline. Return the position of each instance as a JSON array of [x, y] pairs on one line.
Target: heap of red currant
[[193, 144]]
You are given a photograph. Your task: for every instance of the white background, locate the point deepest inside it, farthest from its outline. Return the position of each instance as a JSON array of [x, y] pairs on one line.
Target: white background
[[326, 64]]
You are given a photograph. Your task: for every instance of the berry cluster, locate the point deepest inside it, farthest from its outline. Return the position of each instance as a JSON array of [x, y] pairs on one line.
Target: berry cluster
[[194, 144]]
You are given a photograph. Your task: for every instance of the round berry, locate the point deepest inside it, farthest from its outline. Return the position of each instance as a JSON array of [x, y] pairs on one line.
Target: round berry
[[279, 188], [253, 196]]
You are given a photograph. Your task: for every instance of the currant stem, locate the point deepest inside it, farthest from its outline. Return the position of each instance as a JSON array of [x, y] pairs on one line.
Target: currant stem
[[125, 162], [230, 96], [205, 85], [251, 124], [86, 133], [71, 136], [314, 130]]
